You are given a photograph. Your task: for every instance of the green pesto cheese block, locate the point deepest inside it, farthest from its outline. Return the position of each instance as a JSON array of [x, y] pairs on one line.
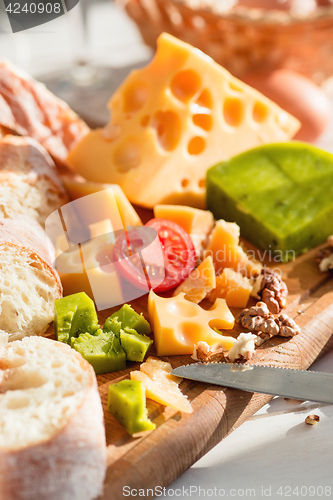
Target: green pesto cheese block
[[127, 403], [134, 344], [281, 196], [102, 351], [73, 315], [128, 317]]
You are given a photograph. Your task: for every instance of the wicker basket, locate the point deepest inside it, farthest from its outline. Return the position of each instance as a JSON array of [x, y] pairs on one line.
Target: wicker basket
[[246, 41]]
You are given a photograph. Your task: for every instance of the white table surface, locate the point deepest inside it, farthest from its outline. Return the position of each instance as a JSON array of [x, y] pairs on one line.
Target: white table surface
[[274, 454]]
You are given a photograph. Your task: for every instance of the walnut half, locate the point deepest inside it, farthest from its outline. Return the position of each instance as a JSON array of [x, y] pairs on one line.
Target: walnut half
[[269, 287], [312, 419]]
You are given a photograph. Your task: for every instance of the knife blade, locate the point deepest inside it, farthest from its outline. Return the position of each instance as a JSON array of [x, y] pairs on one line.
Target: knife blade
[[286, 382]]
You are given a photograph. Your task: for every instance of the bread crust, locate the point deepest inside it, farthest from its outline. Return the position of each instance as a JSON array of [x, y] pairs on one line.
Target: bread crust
[[27, 108], [71, 465]]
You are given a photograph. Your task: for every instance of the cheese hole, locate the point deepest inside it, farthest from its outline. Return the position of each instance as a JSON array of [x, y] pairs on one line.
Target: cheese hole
[[235, 87], [259, 112], [135, 96], [233, 111], [205, 99], [185, 84], [202, 183], [196, 146], [203, 121], [145, 120], [185, 183], [185, 309], [190, 332], [127, 156], [168, 128]]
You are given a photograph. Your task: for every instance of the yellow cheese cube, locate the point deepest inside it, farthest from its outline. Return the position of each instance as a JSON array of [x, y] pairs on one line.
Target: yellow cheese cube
[[233, 287], [160, 385], [226, 252], [179, 324], [81, 270], [197, 223], [173, 120], [200, 282], [114, 193]]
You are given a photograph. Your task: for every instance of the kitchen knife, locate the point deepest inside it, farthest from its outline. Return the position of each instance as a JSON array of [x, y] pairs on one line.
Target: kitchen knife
[[286, 382]]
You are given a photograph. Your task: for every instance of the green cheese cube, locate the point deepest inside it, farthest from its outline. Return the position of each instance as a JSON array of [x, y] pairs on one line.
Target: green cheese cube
[[103, 351], [127, 403], [73, 315], [281, 196], [128, 317], [112, 325], [134, 344]]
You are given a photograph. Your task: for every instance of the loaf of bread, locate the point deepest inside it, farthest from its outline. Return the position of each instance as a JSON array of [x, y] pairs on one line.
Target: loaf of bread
[[52, 439], [27, 108], [29, 183], [28, 283]]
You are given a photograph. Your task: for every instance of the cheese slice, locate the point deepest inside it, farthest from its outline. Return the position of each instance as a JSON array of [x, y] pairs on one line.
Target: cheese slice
[[173, 120], [111, 193], [179, 324]]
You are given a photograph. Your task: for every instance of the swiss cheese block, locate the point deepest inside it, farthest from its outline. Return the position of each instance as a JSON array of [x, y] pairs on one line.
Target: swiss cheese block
[[111, 193], [171, 121], [279, 194], [179, 324], [197, 223]]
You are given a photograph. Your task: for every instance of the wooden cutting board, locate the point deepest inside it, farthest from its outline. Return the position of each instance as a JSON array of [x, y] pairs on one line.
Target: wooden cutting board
[[157, 458]]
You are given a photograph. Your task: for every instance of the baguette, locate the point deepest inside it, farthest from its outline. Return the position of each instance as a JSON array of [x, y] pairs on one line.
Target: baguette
[[29, 183], [27, 108], [28, 283], [52, 440]]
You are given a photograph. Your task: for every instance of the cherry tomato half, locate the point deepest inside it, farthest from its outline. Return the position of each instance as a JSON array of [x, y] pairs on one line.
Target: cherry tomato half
[[139, 257], [178, 252]]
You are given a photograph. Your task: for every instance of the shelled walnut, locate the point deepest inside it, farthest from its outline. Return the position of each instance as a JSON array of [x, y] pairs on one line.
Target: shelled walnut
[[203, 352], [269, 287], [260, 320], [312, 419], [325, 256]]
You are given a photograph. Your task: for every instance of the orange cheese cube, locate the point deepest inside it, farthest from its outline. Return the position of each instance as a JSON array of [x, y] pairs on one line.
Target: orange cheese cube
[[171, 121], [197, 223], [233, 287], [160, 385], [111, 200], [225, 250], [179, 324], [200, 282]]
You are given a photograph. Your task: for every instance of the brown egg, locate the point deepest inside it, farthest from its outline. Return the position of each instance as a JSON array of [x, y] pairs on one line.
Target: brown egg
[[299, 96]]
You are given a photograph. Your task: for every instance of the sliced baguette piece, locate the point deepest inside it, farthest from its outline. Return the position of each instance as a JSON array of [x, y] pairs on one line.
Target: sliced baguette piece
[[29, 183], [27, 108], [28, 283], [52, 439]]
